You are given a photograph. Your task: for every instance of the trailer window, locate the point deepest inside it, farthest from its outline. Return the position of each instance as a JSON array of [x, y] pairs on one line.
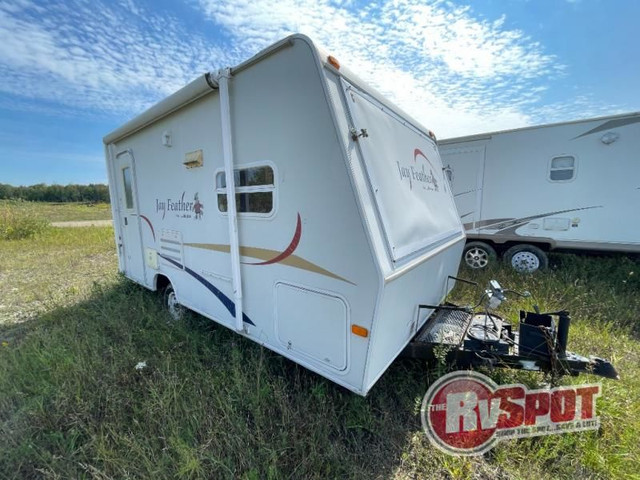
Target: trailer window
[[128, 190], [254, 190], [563, 169]]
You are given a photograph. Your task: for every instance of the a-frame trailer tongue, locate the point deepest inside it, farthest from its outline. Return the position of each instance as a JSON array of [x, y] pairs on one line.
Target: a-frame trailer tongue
[[475, 337]]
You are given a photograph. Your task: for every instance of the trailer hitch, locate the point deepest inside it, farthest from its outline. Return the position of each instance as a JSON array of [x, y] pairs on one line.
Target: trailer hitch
[[477, 337]]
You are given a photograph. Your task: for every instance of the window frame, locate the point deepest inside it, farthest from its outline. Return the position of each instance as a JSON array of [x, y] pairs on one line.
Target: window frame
[[551, 169], [125, 199], [252, 189]]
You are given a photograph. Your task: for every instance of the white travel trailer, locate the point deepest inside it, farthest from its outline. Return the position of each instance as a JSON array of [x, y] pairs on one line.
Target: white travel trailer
[[336, 240], [523, 192], [338, 225]]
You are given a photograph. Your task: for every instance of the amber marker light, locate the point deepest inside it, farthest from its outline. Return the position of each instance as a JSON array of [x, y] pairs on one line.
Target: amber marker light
[[333, 61], [360, 331]]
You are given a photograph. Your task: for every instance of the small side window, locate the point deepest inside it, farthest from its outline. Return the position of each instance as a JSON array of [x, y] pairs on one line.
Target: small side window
[[128, 188], [254, 186], [562, 169]]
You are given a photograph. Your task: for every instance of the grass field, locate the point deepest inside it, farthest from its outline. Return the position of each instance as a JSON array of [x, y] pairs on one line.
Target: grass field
[[211, 404], [60, 212]]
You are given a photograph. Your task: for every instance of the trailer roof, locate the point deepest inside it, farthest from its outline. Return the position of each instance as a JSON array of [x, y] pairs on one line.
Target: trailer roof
[[207, 83], [488, 135]]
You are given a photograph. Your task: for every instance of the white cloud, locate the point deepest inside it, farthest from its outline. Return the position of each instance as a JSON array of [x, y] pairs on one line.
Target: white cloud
[[453, 71], [90, 55]]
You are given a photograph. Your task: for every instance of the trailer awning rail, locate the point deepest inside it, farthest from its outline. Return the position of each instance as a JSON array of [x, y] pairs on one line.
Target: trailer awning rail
[[189, 93]]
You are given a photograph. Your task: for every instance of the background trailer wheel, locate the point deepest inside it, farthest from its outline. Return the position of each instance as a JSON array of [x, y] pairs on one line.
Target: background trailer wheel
[[478, 255], [526, 258]]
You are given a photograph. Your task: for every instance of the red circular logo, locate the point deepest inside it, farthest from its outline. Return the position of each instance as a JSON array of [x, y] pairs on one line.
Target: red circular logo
[[453, 411]]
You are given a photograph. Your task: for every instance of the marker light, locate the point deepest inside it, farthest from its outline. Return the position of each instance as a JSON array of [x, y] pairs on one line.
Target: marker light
[[333, 62], [360, 331]]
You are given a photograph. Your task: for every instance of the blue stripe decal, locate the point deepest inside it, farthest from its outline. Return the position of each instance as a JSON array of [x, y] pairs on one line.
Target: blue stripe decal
[[221, 296]]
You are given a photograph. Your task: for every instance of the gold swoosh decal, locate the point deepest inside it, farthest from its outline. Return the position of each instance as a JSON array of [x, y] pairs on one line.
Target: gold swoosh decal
[[266, 254]]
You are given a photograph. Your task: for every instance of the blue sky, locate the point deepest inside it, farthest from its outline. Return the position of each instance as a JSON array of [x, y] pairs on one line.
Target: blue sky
[[70, 72]]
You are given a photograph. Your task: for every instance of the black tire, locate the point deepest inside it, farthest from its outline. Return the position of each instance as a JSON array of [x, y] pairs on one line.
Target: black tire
[[479, 255], [176, 311], [526, 258]]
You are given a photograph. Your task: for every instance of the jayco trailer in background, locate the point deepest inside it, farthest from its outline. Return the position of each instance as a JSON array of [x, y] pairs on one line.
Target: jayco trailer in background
[[334, 240], [573, 185]]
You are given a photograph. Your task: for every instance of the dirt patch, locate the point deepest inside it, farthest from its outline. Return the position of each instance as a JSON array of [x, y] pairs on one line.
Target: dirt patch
[[83, 223]]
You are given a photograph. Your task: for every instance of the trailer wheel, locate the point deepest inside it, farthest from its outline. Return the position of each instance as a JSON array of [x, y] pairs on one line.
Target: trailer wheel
[[478, 255], [526, 258], [176, 311]]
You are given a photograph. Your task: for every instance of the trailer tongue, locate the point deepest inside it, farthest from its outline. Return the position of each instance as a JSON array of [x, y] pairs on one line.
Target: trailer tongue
[[475, 337]]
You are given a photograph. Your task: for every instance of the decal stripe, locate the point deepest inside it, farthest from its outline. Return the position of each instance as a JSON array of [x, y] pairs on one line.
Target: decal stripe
[[301, 263], [150, 226], [270, 257], [509, 225], [265, 254], [620, 122], [221, 296], [482, 224], [289, 250], [464, 193], [217, 247]]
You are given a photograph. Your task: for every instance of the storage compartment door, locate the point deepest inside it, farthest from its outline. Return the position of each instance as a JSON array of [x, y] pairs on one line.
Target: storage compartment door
[[312, 324]]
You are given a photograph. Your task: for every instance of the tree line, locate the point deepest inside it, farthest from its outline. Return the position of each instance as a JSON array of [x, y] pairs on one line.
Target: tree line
[[94, 192]]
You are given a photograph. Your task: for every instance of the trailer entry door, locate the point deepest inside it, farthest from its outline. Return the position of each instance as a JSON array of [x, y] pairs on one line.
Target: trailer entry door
[[412, 195], [129, 220], [466, 170]]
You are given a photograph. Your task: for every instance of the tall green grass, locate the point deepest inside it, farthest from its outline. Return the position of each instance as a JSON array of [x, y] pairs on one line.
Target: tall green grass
[[17, 223], [52, 269], [59, 212], [211, 404]]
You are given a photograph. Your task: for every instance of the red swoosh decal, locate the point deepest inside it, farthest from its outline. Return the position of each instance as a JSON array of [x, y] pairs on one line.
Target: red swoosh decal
[[289, 250], [150, 226], [417, 152]]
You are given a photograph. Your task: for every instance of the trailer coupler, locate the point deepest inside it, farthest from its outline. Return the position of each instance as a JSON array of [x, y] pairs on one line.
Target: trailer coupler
[[470, 339]]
